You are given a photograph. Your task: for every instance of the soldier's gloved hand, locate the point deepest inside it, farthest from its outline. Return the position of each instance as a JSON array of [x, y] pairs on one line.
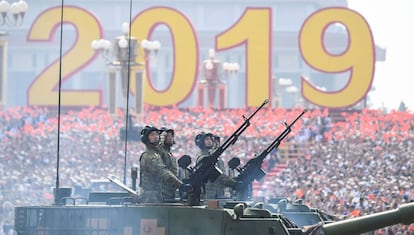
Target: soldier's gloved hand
[[186, 188], [162, 137]]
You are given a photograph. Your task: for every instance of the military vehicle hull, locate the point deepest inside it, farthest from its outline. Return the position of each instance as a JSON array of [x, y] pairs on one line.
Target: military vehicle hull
[[178, 219], [155, 219]]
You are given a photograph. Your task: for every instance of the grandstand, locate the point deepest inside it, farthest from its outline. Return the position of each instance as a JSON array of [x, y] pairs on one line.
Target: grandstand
[[329, 164]]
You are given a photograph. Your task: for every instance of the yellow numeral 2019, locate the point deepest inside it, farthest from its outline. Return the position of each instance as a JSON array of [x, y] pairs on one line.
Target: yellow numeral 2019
[[253, 31]]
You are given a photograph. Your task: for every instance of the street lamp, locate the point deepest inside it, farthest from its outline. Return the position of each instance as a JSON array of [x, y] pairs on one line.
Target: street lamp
[[17, 9], [212, 84], [121, 55]]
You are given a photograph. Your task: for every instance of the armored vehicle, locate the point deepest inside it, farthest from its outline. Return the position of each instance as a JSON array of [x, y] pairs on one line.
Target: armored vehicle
[[180, 219]]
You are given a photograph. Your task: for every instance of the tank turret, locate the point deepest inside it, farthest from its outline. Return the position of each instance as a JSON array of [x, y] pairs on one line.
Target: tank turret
[[299, 213], [404, 215]]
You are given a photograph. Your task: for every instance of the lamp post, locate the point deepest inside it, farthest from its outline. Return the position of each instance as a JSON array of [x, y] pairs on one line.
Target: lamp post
[[230, 71], [121, 55], [212, 84], [295, 92], [17, 10], [279, 86], [3, 68]]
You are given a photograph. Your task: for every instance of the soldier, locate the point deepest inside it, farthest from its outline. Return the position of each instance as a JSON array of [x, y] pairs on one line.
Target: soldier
[[154, 174], [166, 141], [207, 143]]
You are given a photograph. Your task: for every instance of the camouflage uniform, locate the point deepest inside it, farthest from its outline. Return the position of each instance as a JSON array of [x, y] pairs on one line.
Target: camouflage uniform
[[215, 190], [155, 176], [168, 191]]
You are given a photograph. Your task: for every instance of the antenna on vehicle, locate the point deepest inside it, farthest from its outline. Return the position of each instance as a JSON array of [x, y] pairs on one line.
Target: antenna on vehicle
[[127, 123], [57, 190]]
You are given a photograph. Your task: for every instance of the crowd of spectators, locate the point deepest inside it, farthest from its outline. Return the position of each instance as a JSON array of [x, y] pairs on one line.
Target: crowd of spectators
[[349, 164]]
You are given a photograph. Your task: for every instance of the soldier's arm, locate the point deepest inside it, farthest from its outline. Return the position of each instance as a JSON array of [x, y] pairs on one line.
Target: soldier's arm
[[174, 165], [157, 167]]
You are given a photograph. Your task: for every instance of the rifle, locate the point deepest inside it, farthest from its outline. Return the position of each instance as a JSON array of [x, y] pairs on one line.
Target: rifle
[[252, 169], [206, 168]]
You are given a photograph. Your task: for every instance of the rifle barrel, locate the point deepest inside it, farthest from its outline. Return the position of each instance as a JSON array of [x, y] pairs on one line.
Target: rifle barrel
[[207, 166], [252, 169], [233, 138]]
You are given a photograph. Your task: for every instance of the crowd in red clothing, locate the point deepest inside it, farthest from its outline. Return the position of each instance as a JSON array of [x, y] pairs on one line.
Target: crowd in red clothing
[[351, 163]]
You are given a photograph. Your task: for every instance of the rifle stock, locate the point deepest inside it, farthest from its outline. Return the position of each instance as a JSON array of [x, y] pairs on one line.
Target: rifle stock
[[252, 170], [206, 169]]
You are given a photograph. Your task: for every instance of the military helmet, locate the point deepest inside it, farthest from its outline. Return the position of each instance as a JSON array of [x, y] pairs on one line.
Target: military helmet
[[199, 139], [216, 138], [145, 133], [164, 129]]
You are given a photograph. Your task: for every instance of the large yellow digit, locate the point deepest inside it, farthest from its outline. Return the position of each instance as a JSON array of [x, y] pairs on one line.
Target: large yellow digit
[[185, 54], [254, 30], [44, 89], [358, 58]]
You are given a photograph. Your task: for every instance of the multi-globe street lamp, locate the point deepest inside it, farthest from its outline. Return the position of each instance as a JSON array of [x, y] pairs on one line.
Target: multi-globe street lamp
[[17, 10], [121, 55]]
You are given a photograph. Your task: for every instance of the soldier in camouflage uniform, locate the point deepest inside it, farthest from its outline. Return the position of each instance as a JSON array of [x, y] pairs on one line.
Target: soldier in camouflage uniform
[[166, 141], [154, 174], [207, 143]]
